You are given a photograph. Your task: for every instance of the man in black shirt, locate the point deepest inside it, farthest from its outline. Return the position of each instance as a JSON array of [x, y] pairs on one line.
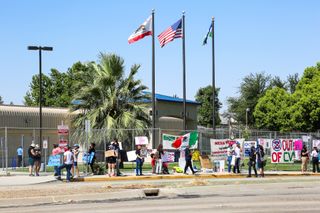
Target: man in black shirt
[[252, 161], [188, 156]]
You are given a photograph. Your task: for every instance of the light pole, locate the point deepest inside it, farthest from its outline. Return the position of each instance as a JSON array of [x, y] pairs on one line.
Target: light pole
[[247, 110], [40, 48]]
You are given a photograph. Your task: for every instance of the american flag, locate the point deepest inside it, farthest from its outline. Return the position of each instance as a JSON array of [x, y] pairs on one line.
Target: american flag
[[174, 31]]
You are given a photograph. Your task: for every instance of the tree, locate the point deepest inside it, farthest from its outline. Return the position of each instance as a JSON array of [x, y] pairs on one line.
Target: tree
[[271, 111], [111, 100], [251, 89], [204, 97], [306, 108], [32, 96], [1, 101], [277, 82], [292, 81]]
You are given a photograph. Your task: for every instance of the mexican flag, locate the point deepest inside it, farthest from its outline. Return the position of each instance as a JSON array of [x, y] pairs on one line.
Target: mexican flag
[[190, 139], [143, 30]]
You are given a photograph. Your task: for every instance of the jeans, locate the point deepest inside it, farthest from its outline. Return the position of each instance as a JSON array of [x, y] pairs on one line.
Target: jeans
[[236, 168], [139, 166], [68, 168], [315, 164], [55, 169], [252, 164], [229, 159], [159, 166]]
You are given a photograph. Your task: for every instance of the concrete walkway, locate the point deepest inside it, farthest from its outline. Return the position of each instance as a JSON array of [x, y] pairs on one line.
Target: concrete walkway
[[22, 178]]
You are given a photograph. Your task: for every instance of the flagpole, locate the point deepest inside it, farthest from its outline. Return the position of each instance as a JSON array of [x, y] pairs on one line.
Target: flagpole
[[153, 86], [184, 71], [213, 78]]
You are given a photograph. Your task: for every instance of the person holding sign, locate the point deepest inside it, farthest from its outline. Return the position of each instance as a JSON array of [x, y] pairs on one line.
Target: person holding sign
[[112, 151], [67, 163], [252, 162], [261, 160], [158, 157], [139, 161]]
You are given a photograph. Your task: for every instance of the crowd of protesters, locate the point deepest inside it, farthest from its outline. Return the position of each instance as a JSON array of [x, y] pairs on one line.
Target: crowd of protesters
[[69, 160]]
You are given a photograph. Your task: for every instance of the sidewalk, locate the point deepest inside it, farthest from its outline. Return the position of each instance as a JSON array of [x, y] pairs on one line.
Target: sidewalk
[[22, 178]]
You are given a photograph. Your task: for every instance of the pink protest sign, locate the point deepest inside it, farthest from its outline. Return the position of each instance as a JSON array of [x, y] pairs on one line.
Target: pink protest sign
[[298, 144]]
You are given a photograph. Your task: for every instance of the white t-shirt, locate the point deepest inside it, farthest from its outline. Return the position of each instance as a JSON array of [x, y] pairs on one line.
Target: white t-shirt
[[68, 156], [237, 152], [314, 153]]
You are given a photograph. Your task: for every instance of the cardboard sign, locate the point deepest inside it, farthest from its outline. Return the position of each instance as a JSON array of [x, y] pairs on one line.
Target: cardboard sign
[[110, 153], [141, 140], [282, 151], [219, 147]]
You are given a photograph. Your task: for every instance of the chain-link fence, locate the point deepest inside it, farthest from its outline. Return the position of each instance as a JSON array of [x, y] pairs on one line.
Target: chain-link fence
[[12, 138]]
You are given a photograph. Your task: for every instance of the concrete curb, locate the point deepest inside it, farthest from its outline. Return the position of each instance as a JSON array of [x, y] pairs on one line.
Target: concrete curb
[[171, 177]]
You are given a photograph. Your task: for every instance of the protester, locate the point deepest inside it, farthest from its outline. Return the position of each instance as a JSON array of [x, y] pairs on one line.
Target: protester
[[237, 152], [75, 168], [139, 161], [261, 160], [229, 156], [67, 163], [112, 160], [31, 155], [19, 156], [153, 163], [92, 156], [188, 157], [118, 156], [304, 158], [252, 161], [56, 151], [37, 159], [315, 160], [158, 157]]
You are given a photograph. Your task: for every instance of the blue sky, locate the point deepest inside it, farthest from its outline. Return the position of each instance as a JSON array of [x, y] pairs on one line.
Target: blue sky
[[278, 37]]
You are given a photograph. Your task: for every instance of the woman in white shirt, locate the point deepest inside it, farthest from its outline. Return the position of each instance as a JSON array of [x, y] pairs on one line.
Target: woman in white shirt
[[315, 159]]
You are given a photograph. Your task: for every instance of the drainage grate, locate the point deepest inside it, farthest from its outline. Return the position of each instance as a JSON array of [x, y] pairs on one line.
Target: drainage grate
[[151, 192]]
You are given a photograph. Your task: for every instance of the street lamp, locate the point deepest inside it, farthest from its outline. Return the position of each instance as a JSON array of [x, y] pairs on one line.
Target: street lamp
[[247, 110], [40, 48]]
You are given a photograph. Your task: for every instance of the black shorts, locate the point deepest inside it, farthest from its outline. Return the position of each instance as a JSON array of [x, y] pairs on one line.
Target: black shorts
[[111, 159]]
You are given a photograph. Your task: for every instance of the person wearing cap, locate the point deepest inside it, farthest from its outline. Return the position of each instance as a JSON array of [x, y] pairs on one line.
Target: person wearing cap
[[56, 151], [67, 163], [75, 168], [31, 155]]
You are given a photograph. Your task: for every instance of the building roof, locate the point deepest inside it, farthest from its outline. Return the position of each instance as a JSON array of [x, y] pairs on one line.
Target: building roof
[[14, 109], [160, 97]]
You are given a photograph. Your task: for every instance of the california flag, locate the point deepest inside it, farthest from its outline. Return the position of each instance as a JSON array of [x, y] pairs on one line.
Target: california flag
[[190, 139], [145, 29]]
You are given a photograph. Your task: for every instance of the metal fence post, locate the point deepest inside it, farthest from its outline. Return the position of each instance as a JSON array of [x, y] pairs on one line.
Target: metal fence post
[[2, 154], [6, 147]]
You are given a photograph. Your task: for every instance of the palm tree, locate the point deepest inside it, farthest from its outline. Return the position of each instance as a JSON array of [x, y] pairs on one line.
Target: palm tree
[[111, 100]]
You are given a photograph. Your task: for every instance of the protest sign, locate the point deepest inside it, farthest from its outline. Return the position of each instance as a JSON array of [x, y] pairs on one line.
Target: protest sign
[[298, 144], [219, 147], [141, 140], [131, 155], [168, 157], [316, 143], [247, 147], [54, 160], [282, 151]]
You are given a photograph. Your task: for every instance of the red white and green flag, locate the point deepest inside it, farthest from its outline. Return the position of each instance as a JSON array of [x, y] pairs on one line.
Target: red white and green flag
[[190, 139], [145, 29]]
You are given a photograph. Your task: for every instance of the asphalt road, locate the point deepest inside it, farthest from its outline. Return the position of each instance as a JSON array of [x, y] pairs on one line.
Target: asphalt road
[[242, 195]]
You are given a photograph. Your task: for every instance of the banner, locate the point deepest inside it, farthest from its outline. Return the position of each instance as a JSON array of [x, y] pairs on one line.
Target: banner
[[247, 147], [298, 145], [167, 140], [141, 140], [266, 143], [219, 147], [282, 151]]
